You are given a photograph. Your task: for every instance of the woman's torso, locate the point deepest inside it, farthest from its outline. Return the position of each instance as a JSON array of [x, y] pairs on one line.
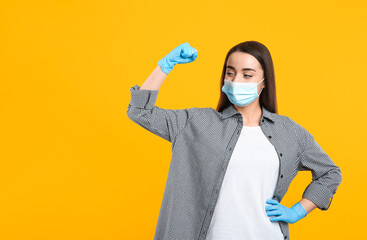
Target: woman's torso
[[250, 179]]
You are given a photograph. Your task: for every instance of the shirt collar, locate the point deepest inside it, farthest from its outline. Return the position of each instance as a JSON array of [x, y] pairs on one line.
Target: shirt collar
[[230, 111]]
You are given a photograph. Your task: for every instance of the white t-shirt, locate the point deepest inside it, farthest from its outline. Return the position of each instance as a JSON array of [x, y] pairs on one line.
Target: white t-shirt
[[250, 179]]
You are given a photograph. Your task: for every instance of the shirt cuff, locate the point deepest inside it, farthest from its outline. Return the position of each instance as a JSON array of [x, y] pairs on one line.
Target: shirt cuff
[[143, 98], [318, 194]]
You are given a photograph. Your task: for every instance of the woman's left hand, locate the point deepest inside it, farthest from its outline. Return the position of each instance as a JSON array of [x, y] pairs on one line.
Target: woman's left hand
[[282, 213]]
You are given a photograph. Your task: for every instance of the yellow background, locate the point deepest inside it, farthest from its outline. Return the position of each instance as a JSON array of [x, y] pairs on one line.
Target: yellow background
[[74, 166]]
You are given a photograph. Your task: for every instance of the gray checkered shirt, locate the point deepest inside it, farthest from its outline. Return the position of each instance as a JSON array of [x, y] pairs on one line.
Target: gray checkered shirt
[[202, 144]]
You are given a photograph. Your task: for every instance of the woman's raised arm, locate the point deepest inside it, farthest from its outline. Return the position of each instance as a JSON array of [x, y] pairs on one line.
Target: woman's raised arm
[[165, 123]]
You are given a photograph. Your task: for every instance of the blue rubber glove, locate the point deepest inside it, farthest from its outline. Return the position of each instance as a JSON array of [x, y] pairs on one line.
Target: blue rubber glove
[[289, 215], [183, 53]]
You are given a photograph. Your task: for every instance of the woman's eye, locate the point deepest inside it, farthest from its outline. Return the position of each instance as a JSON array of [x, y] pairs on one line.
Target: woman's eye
[[229, 73]]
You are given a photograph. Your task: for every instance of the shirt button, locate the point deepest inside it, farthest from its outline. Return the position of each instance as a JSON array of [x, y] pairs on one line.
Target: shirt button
[[281, 176], [281, 154], [269, 136], [230, 148], [285, 237], [262, 120]]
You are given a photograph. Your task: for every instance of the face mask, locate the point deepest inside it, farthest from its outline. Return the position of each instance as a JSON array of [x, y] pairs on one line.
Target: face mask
[[240, 93]]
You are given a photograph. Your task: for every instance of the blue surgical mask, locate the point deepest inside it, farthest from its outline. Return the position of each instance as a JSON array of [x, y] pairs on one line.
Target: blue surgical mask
[[241, 93]]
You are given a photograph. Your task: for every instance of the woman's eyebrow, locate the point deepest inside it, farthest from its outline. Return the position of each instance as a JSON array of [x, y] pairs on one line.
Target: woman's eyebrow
[[243, 69]]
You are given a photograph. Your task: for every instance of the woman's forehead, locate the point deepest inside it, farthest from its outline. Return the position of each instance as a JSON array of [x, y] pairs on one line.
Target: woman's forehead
[[240, 60]]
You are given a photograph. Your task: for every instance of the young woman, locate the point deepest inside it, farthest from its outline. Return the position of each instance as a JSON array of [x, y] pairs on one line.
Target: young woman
[[231, 166]]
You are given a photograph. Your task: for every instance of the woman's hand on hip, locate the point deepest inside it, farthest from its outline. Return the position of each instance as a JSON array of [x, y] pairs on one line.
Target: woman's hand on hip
[[283, 213]]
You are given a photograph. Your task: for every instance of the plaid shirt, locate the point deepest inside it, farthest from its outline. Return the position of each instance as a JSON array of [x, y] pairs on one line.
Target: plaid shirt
[[202, 144]]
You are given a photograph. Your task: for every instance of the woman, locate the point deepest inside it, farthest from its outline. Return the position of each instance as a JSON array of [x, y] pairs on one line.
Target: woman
[[231, 166]]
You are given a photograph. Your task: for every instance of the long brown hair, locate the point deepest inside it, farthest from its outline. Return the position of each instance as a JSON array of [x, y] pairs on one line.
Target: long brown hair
[[261, 53]]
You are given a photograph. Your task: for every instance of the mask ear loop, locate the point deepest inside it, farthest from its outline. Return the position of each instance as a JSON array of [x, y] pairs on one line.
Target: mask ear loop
[[262, 88], [261, 91], [261, 81]]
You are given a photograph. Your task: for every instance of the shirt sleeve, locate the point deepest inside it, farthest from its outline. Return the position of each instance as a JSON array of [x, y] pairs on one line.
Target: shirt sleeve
[[326, 176], [165, 123]]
